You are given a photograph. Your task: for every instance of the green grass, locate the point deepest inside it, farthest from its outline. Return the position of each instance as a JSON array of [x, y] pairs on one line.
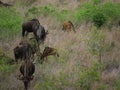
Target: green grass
[[6, 69], [49, 11], [10, 22]]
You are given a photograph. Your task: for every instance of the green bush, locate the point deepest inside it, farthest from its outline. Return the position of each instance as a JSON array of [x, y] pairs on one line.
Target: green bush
[[97, 13], [99, 19]]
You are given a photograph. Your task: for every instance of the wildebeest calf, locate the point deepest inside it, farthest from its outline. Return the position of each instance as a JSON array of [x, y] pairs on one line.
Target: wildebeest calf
[[67, 26], [48, 51]]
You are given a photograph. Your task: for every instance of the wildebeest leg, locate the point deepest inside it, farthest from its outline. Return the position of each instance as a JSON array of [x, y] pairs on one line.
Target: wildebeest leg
[[26, 85], [23, 32]]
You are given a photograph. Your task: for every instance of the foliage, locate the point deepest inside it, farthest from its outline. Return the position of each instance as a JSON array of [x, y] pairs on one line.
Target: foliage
[[97, 13], [99, 19]]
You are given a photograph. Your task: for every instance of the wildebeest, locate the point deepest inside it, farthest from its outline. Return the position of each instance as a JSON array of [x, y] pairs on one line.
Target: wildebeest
[[48, 51], [67, 26], [35, 27], [23, 50], [30, 26], [5, 4], [27, 70]]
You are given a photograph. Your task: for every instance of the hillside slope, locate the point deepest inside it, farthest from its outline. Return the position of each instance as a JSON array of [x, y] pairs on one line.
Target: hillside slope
[[89, 59]]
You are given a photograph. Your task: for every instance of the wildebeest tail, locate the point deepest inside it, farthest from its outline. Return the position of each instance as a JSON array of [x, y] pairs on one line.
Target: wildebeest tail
[[72, 26]]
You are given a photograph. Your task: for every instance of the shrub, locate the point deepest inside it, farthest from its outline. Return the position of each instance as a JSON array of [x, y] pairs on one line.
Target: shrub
[[99, 19], [97, 13]]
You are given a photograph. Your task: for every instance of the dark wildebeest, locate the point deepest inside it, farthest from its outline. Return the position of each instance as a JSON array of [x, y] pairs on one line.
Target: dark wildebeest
[[30, 26], [22, 49], [5, 4], [67, 26], [37, 29], [27, 70], [48, 51]]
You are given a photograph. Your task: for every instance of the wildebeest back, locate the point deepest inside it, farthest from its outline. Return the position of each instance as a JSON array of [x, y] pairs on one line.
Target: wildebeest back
[[30, 68]]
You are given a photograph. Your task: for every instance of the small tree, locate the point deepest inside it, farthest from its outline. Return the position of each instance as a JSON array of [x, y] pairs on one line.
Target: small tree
[[98, 19]]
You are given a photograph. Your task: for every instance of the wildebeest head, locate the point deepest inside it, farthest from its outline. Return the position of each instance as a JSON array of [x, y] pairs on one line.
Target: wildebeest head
[[41, 34]]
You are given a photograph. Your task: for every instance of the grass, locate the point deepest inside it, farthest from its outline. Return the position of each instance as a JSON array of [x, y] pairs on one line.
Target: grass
[[55, 12], [86, 12], [77, 68], [10, 22]]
